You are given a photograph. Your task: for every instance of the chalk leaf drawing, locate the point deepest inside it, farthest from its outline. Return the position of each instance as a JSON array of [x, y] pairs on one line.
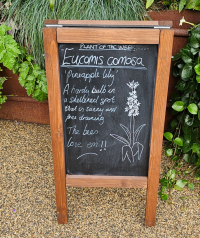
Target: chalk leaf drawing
[[132, 148]]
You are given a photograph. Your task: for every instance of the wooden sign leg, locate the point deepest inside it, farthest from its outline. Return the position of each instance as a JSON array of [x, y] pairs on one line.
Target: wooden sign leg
[[55, 113], [160, 99]]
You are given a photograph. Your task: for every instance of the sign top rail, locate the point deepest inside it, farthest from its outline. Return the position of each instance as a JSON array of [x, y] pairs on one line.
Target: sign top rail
[[109, 24]]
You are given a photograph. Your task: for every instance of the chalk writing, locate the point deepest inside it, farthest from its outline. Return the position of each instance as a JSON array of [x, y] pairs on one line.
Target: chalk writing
[[106, 106]]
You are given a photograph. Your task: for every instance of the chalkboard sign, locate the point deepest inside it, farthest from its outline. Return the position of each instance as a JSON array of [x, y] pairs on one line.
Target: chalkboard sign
[[107, 101], [107, 92]]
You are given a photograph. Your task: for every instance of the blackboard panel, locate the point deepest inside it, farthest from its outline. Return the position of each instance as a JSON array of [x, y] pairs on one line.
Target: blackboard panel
[[107, 100]]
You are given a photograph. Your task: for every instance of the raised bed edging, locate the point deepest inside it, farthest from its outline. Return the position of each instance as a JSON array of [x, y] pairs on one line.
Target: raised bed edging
[[21, 107]]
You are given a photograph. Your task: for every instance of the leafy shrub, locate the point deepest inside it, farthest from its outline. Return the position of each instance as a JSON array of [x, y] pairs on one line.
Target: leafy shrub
[[184, 135], [2, 97], [16, 58], [178, 4]]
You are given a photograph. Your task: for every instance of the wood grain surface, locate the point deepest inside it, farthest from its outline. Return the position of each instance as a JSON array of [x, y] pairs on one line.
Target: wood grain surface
[[93, 23], [160, 101], [106, 181], [55, 113], [107, 36]]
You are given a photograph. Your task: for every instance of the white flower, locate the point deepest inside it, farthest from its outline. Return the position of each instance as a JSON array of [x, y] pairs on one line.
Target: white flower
[[133, 95], [133, 85], [136, 85], [130, 99], [182, 21], [132, 102]]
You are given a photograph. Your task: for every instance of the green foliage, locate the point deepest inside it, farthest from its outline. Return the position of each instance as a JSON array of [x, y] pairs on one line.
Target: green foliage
[[2, 97], [28, 17], [178, 4], [51, 4], [167, 182], [16, 58], [184, 134]]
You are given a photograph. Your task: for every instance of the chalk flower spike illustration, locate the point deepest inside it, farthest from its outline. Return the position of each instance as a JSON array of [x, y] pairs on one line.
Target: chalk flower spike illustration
[[132, 147]]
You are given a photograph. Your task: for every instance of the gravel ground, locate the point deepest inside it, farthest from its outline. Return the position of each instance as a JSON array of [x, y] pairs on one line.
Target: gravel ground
[[27, 197]]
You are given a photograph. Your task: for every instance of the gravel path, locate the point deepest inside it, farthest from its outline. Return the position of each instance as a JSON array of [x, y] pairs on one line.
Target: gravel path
[[27, 197]]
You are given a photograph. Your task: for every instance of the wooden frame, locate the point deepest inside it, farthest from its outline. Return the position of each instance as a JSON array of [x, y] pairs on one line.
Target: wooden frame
[[54, 35]]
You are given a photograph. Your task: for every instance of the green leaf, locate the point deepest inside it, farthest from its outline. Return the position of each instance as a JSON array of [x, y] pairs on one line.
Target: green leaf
[[175, 71], [51, 4], [177, 188], [175, 158], [164, 189], [187, 129], [168, 136], [176, 57], [164, 197], [199, 115], [181, 182], [30, 77], [178, 106], [194, 51], [44, 89], [188, 120], [194, 158], [3, 29], [197, 69], [163, 181], [171, 174], [8, 39], [187, 71], [2, 80], [174, 123], [13, 50], [186, 157], [187, 146], [181, 5], [194, 135], [197, 173], [168, 152], [181, 65], [22, 81], [196, 95], [196, 148], [29, 58], [198, 78], [186, 56], [192, 85], [2, 54], [16, 68], [24, 71], [194, 41], [8, 62], [148, 3], [181, 85], [185, 99], [191, 4], [178, 141], [192, 108], [191, 186]]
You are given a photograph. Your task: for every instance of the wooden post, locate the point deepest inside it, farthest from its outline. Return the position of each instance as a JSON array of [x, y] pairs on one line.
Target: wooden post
[[160, 101], [55, 113]]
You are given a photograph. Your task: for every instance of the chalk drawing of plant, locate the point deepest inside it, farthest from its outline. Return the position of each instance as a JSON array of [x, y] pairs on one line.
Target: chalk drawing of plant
[[132, 148]]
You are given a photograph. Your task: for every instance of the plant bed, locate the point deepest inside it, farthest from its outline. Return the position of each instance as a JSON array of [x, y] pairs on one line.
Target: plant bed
[[19, 106]]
